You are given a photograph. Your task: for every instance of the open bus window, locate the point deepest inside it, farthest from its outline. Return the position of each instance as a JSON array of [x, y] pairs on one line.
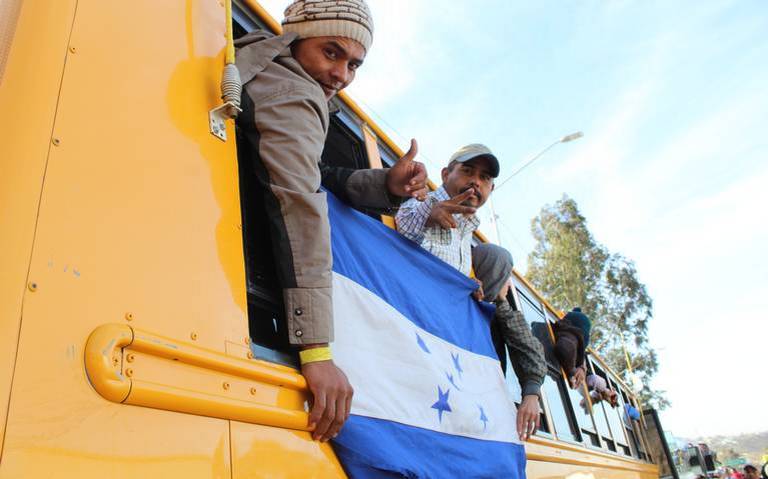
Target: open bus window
[[599, 413], [555, 391], [616, 422], [628, 426], [563, 420], [581, 408]]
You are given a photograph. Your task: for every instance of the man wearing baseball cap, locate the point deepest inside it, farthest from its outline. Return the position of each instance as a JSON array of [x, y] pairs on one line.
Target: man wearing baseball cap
[[444, 223], [288, 81]]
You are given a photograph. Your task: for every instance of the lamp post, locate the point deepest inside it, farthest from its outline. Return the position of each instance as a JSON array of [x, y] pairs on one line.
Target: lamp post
[[565, 139]]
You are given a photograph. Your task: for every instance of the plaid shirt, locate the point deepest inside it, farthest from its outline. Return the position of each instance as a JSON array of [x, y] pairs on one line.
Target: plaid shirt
[[525, 351], [454, 246]]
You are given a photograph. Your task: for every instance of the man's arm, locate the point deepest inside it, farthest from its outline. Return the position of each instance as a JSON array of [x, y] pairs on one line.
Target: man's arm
[[378, 189], [527, 357], [287, 131]]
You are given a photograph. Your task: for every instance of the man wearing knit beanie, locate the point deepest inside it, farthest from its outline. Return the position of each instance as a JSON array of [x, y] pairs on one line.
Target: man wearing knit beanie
[[288, 81], [571, 341]]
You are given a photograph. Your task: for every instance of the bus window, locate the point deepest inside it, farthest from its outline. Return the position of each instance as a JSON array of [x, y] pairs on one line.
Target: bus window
[[616, 423], [535, 318], [554, 390], [627, 422], [599, 413], [582, 410], [581, 406]]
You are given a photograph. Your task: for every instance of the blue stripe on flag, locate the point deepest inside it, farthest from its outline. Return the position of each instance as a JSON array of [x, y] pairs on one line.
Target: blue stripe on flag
[[423, 288], [397, 450]]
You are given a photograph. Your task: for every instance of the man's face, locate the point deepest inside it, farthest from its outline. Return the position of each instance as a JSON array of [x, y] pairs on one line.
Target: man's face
[[330, 61], [475, 174], [751, 473]]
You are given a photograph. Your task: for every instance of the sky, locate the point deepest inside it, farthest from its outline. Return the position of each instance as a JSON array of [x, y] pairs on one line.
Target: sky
[[672, 98]]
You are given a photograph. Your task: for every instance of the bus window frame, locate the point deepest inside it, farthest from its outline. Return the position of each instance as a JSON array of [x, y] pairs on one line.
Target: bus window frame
[[521, 294], [597, 369], [617, 411]]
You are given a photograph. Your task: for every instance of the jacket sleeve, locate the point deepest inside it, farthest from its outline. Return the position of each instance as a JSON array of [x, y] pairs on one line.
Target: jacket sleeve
[[291, 135], [365, 189], [525, 351]]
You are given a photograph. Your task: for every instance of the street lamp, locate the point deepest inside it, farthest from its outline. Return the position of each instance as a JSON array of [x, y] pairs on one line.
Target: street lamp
[[494, 217], [565, 139]]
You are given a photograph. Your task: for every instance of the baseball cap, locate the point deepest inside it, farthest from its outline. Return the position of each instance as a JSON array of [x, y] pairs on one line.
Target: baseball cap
[[469, 152]]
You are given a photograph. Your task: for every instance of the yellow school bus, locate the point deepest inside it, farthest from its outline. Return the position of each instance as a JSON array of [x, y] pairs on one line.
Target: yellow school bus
[[139, 320]]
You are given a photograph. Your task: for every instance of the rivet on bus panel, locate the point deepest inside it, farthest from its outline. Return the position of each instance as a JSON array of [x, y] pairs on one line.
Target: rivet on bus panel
[[32, 286], [73, 49], [129, 372], [193, 335], [247, 340], [129, 316], [250, 355], [253, 391], [56, 142], [225, 386], [130, 358]]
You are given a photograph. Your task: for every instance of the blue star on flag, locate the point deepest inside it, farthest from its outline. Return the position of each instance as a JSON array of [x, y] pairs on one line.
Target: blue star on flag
[[442, 403], [422, 344], [450, 380], [483, 417], [456, 363]]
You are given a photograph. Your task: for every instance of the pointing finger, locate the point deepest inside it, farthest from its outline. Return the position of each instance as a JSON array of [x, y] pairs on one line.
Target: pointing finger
[[461, 196], [460, 209]]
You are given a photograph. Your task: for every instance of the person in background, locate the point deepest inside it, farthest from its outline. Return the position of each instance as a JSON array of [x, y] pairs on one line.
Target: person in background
[[571, 341], [751, 472], [599, 390], [493, 266], [288, 81]]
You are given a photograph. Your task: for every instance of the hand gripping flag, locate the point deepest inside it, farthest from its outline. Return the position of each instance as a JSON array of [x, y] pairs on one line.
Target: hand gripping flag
[[430, 399]]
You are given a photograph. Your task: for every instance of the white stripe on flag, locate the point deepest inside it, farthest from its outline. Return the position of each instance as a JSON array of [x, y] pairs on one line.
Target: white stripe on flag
[[404, 374]]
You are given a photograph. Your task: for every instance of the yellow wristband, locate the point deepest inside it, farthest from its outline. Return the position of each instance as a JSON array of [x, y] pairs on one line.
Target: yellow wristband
[[315, 354]]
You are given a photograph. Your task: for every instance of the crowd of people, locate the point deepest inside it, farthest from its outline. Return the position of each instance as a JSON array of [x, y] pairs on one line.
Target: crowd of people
[[288, 82]]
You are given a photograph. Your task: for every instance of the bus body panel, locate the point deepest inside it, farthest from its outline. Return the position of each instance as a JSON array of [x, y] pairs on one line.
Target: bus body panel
[[139, 224], [29, 90]]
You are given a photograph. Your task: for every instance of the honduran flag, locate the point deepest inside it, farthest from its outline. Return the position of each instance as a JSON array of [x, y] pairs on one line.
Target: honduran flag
[[430, 398]]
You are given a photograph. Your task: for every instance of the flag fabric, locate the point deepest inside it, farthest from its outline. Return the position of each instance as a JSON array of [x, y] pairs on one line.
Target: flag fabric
[[430, 398]]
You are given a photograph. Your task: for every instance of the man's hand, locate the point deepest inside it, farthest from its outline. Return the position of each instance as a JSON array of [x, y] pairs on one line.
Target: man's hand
[[528, 417], [577, 379], [504, 290], [408, 177], [442, 212], [478, 293], [331, 398]]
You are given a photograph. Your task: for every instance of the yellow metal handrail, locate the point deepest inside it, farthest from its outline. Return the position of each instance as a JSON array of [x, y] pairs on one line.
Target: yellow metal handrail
[[108, 343]]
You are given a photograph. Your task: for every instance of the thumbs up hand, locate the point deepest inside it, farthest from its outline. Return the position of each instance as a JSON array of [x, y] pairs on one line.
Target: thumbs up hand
[[407, 177]]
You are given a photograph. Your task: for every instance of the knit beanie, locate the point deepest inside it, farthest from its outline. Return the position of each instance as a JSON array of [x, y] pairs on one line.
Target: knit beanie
[[581, 321], [492, 265], [330, 18]]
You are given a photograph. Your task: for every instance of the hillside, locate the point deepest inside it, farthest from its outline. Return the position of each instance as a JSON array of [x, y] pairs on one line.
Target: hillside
[[752, 447]]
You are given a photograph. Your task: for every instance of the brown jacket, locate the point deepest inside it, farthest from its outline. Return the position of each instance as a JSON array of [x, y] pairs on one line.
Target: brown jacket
[[286, 120]]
